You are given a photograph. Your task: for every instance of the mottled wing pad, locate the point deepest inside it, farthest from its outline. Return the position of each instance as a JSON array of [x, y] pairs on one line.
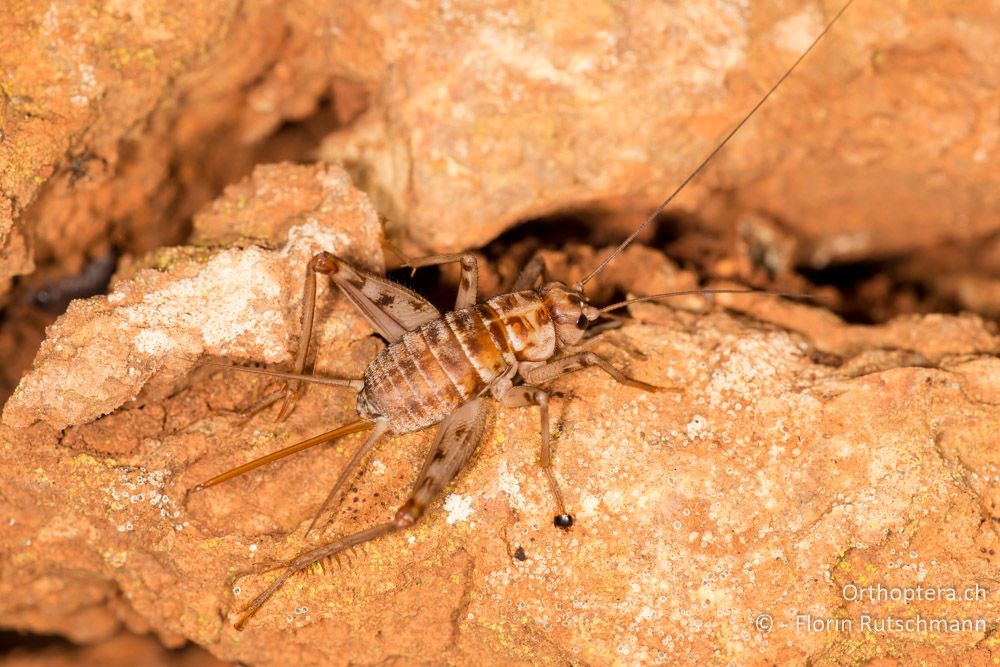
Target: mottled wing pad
[[391, 308]]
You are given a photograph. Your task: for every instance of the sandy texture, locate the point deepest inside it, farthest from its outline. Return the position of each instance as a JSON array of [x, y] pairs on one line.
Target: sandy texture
[[709, 522]]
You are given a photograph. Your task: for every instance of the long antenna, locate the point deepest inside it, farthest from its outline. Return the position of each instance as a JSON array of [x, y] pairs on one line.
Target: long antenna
[[659, 209], [691, 292]]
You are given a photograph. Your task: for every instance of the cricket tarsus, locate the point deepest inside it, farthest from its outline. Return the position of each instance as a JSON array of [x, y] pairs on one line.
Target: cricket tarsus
[[303, 561], [715, 151]]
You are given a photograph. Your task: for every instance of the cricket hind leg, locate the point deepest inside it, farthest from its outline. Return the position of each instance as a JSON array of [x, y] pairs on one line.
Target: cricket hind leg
[[468, 288], [529, 395], [302, 562], [529, 275], [292, 389], [381, 427], [390, 308], [350, 383], [455, 441], [273, 397]]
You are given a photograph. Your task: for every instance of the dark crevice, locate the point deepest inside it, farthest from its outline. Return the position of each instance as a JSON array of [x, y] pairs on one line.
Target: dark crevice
[[22, 646], [869, 292], [29, 642], [429, 283], [92, 280], [874, 291], [551, 232]]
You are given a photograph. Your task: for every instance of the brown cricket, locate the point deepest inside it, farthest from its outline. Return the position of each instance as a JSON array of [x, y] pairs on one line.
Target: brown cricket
[[440, 369]]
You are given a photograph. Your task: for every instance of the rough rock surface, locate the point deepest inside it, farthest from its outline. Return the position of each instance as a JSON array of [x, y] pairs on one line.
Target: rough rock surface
[[118, 122], [516, 113], [793, 469], [465, 120]]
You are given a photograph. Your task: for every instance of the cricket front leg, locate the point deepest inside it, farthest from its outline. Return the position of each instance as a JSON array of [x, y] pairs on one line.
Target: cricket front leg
[[292, 389], [528, 395], [456, 439]]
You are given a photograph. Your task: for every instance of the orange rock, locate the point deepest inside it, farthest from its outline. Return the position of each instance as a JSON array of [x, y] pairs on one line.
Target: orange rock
[[465, 121], [713, 525]]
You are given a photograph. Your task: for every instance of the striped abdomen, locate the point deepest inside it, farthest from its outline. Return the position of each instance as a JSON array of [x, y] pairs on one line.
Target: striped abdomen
[[421, 378]]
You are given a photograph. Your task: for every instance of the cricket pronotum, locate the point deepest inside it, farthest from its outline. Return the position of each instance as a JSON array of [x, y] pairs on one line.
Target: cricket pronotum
[[440, 369]]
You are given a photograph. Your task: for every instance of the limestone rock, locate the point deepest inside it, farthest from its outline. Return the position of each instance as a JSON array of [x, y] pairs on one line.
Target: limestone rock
[[791, 471]]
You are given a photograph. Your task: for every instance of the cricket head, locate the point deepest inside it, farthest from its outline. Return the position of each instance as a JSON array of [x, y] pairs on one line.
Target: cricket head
[[570, 312]]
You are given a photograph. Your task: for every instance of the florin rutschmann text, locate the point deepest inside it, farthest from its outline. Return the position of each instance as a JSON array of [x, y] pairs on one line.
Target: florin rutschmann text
[[927, 620]]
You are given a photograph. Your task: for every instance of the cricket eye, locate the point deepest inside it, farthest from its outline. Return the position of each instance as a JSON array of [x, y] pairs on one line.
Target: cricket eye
[[581, 323]]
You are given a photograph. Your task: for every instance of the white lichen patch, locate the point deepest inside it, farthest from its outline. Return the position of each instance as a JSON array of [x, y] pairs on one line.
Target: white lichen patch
[[154, 342], [138, 494], [588, 505], [310, 237], [697, 428], [251, 311], [613, 500], [745, 368], [88, 86], [459, 508], [797, 32], [232, 302], [722, 46], [508, 483]]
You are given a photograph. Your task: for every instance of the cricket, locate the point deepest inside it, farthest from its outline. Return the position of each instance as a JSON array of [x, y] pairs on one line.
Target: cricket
[[445, 369]]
